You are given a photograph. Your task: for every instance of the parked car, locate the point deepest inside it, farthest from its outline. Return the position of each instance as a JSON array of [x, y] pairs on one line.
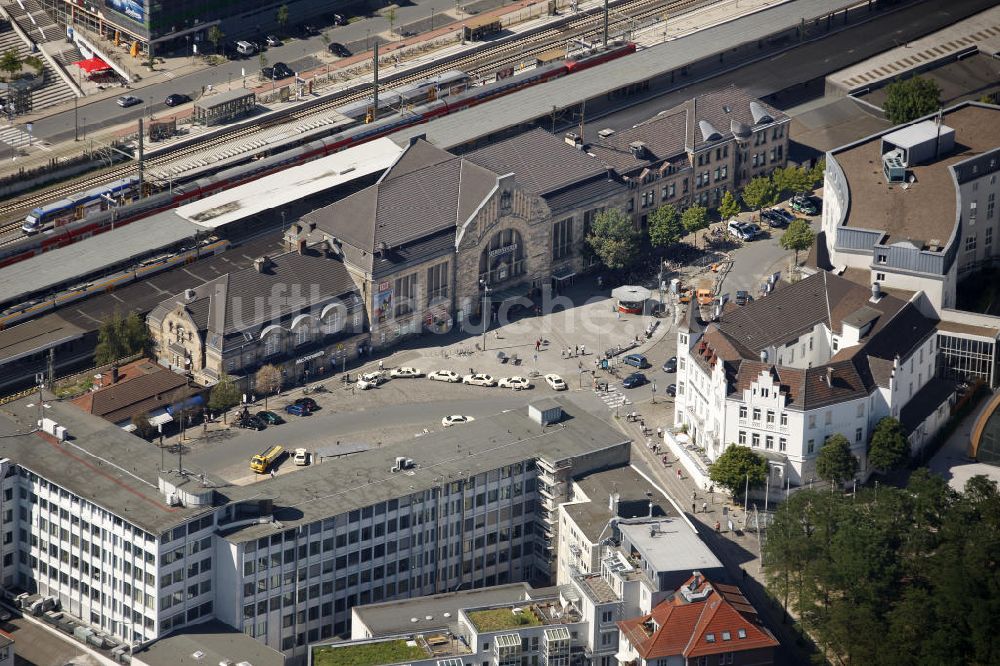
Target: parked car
[[176, 99], [126, 101], [339, 50], [370, 380], [634, 380], [670, 365], [251, 422], [516, 383], [672, 390], [479, 379], [556, 382], [270, 418], [296, 409], [802, 203], [308, 402], [405, 371], [278, 72], [743, 297], [455, 419], [300, 457], [444, 376], [740, 230], [636, 361], [246, 49], [338, 19], [309, 30], [774, 218], [272, 40]]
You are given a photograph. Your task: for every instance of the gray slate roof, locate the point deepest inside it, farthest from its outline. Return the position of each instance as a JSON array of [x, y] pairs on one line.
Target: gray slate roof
[[671, 133], [426, 191], [247, 299], [542, 162]]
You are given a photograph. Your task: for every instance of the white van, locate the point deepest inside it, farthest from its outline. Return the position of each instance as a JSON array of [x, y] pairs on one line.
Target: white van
[[245, 48]]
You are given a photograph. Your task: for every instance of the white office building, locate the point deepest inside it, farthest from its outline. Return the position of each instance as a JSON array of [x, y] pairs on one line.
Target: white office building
[[134, 551]]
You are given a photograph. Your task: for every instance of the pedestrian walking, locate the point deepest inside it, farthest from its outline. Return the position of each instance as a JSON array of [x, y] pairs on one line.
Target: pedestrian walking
[[693, 508], [659, 432], [583, 350], [576, 350], [380, 365], [274, 472], [704, 507], [730, 525], [538, 344], [718, 527], [679, 475]]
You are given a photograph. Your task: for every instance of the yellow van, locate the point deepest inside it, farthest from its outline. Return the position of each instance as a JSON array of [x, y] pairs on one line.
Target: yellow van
[[261, 462]]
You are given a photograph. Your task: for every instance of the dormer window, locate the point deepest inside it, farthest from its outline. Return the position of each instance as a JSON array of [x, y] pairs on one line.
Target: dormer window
[[710, 638], [741, 633]]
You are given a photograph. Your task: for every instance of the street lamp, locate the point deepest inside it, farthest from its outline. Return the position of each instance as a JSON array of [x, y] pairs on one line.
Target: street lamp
[[486, 315]]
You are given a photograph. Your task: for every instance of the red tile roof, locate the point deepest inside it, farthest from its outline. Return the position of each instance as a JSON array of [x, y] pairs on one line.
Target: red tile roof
[[698, 628], [142, 386]]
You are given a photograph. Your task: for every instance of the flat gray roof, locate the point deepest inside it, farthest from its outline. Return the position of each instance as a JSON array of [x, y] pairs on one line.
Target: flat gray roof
[[592, 517], [66, 264], [460, 128], [100, 462], [675, 547], [218, 643], [365, 479], [390, 618], [208, 101], [27, 338]]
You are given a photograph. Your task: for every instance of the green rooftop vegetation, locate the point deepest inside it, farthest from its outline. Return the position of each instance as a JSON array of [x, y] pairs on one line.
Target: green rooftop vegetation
[[499, 619], [368, 654]]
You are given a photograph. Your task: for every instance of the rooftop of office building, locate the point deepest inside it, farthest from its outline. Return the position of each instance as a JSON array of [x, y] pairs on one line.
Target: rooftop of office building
[[922, 212], [620, 492]]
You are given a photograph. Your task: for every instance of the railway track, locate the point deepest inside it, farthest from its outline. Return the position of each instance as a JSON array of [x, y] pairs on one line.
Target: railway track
[[485, 60]]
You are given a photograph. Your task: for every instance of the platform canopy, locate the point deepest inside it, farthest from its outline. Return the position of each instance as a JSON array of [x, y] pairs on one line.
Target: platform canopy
[[631, 294], [91, 65]]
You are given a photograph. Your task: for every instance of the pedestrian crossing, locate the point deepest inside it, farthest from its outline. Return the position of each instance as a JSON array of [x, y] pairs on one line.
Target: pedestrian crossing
[[613, 398], [13, 136]]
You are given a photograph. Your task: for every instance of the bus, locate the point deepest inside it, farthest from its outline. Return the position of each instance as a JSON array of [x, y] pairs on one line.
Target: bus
[[479, 29], [261, 462]]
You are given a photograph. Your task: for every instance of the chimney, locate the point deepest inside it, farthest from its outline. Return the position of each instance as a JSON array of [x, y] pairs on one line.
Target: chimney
[[829, 377], [114, 374], [260, 264], [876, 292], [189, 295], [763, 356], [638, 150]]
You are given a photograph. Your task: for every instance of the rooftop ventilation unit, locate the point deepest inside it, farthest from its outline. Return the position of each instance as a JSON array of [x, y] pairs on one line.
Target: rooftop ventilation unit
[[894, 166], [639, 150]]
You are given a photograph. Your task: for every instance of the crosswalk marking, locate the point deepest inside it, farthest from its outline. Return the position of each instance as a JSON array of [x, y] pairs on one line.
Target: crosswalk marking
[[612, 398], [13, 136]]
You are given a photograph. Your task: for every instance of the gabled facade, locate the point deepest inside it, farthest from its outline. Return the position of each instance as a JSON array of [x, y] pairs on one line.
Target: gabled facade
[[702, 624], [783, 374], [425, 243]]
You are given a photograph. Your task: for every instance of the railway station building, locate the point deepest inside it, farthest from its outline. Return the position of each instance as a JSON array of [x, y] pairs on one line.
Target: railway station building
[[440, 232], [299, 310]]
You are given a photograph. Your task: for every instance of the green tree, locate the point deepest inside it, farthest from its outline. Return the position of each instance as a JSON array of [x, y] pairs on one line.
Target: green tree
[[694, 219], [215, 36], [910, 99], [760, 193], [731, 468], [665, 226], [225, 394], [798, 236], [791, 180], [281, 16], [888, 448], [729, 207], [269, 380], [613, 238], [10, 62], [143, 428], [120, 336], [816, 173], [835, 462]]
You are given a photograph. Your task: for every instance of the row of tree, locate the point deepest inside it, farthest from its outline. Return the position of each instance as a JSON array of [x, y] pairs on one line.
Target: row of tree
[[617, 243], [835, 463], [893, 575]]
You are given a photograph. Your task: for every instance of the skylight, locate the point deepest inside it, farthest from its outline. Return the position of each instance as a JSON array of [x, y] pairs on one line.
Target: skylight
[[726, 636], [741, 633], [710, 638]]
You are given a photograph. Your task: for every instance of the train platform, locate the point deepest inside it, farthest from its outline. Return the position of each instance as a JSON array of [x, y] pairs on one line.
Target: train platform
[[979, 34]]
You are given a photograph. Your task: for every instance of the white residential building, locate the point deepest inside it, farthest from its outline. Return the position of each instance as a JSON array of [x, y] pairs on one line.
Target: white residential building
[[784, 373]]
